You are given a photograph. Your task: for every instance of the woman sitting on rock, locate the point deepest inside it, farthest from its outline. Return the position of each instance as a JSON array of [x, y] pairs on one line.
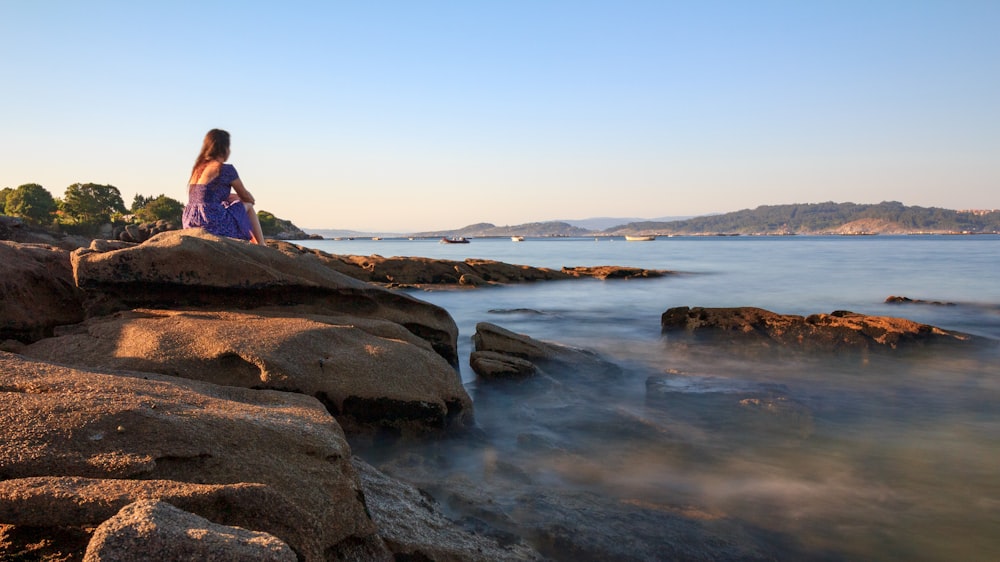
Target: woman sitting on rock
[[210, 204]]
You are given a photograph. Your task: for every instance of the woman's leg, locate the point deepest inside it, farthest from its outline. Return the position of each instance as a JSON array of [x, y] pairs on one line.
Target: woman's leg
[[258, 236]]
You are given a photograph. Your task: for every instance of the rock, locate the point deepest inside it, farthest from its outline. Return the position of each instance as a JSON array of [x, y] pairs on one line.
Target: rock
[[79, 445], [614, 272], [372, 375], [15, 230], [906, 300], [414, 528], [493, 365], [192, 268], [155, 530], [37, 292], [421, 272], [471, 280], [492, 338], [839, 330]]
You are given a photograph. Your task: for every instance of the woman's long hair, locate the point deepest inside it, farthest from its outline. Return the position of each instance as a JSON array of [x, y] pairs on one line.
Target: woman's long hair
[[216, 145]]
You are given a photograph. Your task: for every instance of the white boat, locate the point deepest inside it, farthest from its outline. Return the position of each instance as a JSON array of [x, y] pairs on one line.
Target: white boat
[[639, 238], [517, 238]]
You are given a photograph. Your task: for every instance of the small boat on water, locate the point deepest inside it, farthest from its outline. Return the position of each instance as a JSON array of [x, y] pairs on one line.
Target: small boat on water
[[639, 238], [517, 238], [456, 240]]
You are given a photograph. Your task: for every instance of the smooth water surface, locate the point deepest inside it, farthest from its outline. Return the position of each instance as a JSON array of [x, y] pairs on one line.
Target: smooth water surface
[[885, 457]]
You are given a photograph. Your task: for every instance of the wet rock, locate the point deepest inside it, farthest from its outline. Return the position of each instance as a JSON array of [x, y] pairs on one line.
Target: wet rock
[[837, 331], [192, 268], [80, 445], [492, 365], [892, 299], [37, 291], [546, 356], [414, 528], [614, 272], [154, 530], [372, 375]]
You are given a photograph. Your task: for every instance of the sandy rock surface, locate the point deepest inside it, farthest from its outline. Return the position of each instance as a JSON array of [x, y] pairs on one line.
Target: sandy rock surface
[[132, 435]]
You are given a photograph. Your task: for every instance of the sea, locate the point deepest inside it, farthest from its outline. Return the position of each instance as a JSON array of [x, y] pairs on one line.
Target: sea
[[885, 456]]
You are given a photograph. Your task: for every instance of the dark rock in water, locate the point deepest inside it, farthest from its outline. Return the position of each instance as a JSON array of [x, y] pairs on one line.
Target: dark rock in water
[[492, 365], [614, 272], [414, 527], [616, 530], [543, 355], [729, 404], [892, 299], [837, 331]]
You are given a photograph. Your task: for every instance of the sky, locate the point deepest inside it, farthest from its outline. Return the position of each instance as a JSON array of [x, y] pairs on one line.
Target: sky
[[414, 115]]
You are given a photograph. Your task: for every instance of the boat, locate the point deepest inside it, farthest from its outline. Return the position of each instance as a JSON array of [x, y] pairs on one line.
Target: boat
[[456, 240], [517, 238], [629, 238]]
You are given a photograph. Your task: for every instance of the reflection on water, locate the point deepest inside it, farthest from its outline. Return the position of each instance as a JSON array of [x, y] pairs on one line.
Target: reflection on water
[[888, 456]]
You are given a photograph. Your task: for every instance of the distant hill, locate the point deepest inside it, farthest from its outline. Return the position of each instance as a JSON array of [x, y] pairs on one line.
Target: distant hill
[[485, 230], [602, 223], [888, 217]]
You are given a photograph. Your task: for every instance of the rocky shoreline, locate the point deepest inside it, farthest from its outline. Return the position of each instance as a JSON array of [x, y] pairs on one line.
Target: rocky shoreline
[[202, 396]]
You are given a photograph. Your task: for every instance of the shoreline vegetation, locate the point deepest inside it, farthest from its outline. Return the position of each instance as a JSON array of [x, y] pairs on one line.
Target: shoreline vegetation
[[193, 382]]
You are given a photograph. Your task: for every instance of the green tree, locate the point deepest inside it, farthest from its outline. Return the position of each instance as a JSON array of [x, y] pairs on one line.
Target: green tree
[[269, 224], [91, 203], [31, 202], [3, 199], [160, 208], [139, 202]]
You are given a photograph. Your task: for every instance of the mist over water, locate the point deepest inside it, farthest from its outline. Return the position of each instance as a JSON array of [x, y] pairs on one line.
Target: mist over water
[[881, 456]]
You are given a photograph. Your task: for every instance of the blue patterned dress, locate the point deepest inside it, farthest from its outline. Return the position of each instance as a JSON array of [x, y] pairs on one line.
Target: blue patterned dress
[[208, 207]]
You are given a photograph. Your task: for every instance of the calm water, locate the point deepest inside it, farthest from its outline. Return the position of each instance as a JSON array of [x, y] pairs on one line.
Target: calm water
[[890, 458]]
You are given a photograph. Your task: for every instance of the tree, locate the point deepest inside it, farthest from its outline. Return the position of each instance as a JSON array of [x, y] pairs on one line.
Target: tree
[[160, 208], [3, 198], [139, 202], [31, 202], [269, 224], [91, 203]]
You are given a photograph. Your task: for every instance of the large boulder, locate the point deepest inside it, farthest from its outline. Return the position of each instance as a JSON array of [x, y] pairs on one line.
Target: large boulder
[[77, 446], [37, 292], [837, 331], [155, 530], [196, 269], [373, 375]]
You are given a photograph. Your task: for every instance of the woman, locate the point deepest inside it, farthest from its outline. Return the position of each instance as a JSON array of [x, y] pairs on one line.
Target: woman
[[210, 204]]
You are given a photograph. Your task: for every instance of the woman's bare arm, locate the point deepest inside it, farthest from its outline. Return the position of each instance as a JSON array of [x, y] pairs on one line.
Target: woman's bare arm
[[242, 191]]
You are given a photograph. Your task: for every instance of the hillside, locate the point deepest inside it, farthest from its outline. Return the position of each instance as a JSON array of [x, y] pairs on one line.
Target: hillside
[[888, 217], [486, 230]]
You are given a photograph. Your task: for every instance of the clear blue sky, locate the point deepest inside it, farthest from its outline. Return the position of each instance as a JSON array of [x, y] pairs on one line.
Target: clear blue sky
[[411, 115]]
